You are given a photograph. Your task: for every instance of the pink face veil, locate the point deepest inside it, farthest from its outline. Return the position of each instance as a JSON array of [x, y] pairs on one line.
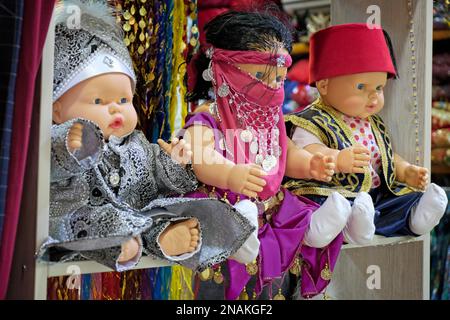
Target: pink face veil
[[249, 110]]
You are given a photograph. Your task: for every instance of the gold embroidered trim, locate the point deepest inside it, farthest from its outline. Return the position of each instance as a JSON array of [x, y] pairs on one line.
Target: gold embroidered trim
[[337, 117], [321, 191], [384, 144], [307, 125]]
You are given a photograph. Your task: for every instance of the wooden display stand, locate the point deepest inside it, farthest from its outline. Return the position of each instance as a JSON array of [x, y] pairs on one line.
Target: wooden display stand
[[403, 262]]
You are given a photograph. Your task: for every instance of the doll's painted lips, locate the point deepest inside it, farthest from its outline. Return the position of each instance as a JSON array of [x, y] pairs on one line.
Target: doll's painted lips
[[371, 107], [117, 123]]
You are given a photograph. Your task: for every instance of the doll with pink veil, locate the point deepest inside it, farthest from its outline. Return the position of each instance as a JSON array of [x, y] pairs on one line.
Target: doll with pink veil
[[241, 151]]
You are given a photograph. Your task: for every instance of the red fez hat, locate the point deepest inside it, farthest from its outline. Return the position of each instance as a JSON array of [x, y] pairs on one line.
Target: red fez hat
[[347, 49]]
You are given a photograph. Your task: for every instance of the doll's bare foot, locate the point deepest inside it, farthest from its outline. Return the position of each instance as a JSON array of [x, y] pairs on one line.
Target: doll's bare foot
[[179, 238]]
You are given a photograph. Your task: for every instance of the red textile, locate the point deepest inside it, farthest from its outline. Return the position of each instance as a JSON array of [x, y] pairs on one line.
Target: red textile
[[347, 49], [299, 71], [111, 285], [37, 15], [208, 9], [257, 105]]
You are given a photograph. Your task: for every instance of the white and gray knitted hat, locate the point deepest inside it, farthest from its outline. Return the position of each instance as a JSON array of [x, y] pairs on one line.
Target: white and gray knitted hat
[[88, 42]]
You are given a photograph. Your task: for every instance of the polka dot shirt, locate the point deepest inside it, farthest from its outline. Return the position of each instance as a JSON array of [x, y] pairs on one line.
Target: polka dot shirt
[[362, 132]]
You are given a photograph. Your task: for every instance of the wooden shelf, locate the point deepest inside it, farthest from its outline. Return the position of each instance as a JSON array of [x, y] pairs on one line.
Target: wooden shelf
[[300, 48], [441, 34], [67, 268], [383, 241], [440, 169]]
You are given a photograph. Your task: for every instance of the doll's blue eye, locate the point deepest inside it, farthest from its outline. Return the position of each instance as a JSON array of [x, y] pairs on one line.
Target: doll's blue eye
[[97, 101], [123, 100], [360, 86], [259, 75]]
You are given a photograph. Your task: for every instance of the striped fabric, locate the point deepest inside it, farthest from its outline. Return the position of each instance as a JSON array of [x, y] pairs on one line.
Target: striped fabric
[[11, 13], [36, 19]]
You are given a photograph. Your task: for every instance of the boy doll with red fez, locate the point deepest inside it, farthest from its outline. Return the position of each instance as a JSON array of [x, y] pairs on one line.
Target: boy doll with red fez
[[350, 65]]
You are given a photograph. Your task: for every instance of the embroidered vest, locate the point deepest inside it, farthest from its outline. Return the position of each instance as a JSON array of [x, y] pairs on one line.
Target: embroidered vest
[[326, 123]]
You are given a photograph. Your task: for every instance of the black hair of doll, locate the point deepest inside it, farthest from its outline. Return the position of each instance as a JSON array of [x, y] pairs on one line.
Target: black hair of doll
[[243, 31], [391, 52]]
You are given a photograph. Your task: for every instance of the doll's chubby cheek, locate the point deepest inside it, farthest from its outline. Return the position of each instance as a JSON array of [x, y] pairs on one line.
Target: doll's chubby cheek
[[352, 107]]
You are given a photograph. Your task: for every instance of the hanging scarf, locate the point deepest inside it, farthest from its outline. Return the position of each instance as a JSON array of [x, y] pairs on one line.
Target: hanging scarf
[[111, 289], [250, 112], [181, 283], [64, 288], [178, 105], [96, 286]]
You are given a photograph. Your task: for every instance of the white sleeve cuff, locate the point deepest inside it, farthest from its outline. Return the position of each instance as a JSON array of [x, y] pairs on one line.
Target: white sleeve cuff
[[303, 138], [249, 251]]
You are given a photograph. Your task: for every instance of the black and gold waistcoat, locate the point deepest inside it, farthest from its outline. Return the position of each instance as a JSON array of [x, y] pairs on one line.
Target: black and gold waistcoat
[[328, 125]]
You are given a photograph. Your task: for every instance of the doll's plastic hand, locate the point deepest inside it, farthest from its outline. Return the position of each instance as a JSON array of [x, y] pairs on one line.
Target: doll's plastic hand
[[179, 150], [246, 179], [75, 137], [321, 167], [416, 177], [130, 249], [353, 159]]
